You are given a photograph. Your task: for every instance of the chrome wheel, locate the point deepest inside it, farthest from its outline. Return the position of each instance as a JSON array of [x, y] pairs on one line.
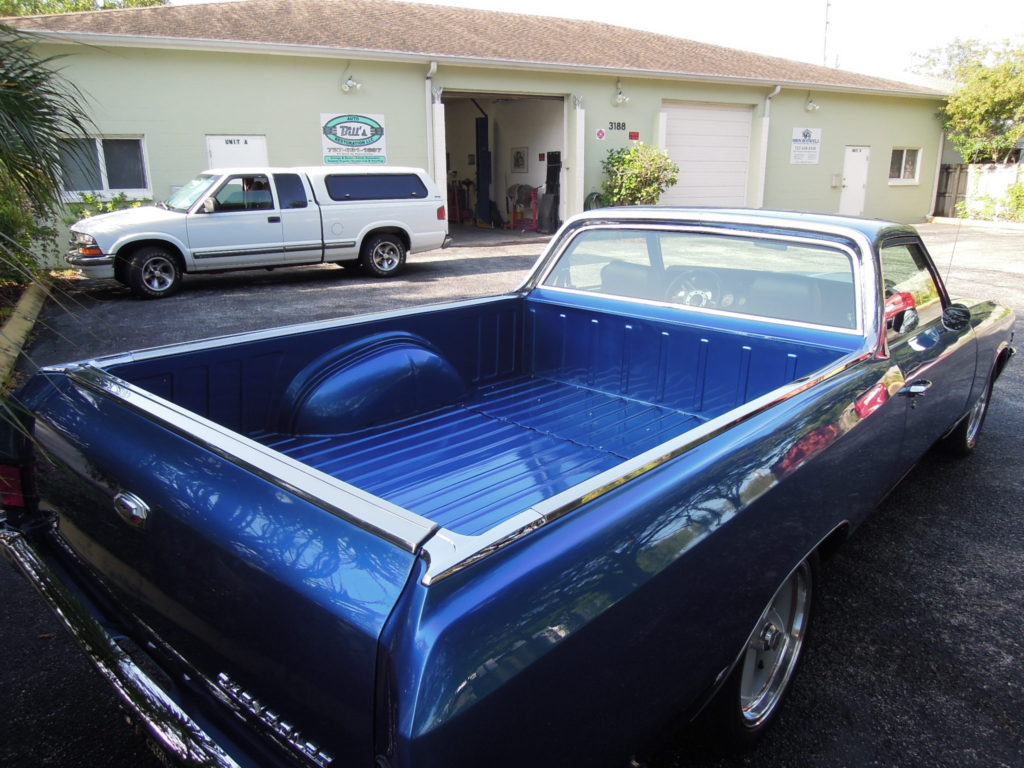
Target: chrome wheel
[[383, 255], [386, 256], [158, 273], [774, 648], [977, 417], [153, 273]]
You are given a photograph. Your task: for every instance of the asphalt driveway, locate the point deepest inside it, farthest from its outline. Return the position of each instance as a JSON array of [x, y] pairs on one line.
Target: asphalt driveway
[[917, 655]]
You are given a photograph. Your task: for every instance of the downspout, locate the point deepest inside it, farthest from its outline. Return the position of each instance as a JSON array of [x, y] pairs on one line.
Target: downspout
[[766, 123], [430, 118]]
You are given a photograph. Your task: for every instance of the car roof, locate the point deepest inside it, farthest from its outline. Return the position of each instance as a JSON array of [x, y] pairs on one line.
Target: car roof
[[873, 229]]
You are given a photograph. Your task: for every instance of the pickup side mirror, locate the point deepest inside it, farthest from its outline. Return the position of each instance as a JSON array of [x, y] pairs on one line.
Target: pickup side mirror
[[209, 205], [956, 317]]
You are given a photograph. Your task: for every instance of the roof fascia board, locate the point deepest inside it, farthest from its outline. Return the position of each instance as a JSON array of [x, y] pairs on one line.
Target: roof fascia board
[[318, 51]]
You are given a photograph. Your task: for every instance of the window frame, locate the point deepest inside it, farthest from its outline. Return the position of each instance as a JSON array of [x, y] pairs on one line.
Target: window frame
[[902, 182], [107, 193]]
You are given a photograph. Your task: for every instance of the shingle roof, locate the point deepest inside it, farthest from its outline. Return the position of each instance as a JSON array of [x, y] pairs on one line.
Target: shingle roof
[[436, 31]]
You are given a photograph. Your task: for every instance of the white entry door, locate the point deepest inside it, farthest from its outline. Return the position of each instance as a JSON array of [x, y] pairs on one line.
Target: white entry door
[[236, 151], [855, 181]]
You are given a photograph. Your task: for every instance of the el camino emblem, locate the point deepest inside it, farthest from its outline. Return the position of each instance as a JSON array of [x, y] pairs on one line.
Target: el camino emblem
[[131, 509], [353, 130]]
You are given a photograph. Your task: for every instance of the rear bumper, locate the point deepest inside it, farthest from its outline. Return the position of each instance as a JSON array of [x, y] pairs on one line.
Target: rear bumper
[[174, 731]]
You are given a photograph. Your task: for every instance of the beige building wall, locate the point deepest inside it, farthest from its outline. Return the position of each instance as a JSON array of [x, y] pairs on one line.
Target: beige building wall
[[175, 98]]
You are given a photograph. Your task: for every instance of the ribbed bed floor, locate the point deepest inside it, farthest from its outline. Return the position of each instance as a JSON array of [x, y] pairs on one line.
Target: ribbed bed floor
[[472, 465]]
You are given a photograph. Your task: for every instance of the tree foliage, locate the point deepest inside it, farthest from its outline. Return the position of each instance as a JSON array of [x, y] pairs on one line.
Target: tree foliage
[[947, 61], [42, 7], [637, 175], [37, 107], [984, 116]]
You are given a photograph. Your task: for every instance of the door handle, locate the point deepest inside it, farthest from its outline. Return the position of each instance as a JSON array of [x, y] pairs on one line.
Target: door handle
[[273, 219], [917, 388]]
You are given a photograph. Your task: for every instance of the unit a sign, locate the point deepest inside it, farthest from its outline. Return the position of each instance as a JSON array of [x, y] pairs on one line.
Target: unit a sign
[[352, 139]]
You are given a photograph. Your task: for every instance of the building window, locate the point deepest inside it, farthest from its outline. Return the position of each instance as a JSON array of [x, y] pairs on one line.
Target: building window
[[904, 166], [104, 166]]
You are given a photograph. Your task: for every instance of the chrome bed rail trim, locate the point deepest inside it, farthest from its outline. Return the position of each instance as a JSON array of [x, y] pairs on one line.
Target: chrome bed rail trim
[[448, 552], [389, 521], [164, 720]]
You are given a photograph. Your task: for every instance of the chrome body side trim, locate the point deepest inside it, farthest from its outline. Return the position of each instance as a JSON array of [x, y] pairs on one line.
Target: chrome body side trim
[[374, 514], [164, 720]]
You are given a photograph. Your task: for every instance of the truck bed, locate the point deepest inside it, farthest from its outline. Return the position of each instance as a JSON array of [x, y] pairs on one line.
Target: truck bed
[[511, 445], [470, 414]]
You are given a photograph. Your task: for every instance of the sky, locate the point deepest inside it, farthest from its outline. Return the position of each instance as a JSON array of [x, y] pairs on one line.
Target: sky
[[876, 37]]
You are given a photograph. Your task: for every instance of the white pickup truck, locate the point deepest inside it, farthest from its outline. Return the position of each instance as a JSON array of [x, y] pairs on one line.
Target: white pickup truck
[[261, 218]]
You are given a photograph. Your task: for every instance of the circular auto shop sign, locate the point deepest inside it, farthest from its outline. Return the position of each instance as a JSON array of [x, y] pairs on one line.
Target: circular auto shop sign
[[353, 130], [357, 139]]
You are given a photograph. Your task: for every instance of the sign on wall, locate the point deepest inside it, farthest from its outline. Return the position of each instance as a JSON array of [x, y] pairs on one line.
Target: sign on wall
[[806, 146], [352, 139]]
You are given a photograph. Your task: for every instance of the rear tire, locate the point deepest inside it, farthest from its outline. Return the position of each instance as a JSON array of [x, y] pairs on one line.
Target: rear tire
[[964, 438], [752, 696], [153, 272], [383, 255]]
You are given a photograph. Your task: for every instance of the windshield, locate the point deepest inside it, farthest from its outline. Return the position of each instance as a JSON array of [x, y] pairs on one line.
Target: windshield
[[781, 279], [186, 196]]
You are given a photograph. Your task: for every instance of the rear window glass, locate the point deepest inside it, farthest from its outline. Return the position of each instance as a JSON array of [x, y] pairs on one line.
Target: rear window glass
[[375, 187], [780, 279], [290, 191]]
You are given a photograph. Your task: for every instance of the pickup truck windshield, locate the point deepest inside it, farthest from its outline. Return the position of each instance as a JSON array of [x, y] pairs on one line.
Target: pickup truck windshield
[[186, 196], [779, 279]]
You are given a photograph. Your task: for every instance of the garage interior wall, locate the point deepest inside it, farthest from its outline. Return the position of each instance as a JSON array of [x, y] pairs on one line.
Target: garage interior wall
[[514, 122]]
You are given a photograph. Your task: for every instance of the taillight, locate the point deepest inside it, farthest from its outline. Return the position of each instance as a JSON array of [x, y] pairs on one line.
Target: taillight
[[11, 489], [440, 213]]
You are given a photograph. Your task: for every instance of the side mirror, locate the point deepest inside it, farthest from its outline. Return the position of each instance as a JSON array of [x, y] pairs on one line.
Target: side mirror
[[956, 317], [209, 205]]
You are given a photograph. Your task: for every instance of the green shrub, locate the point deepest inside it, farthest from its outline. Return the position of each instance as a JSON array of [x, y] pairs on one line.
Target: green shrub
[[93, 206], [637, 175], [22, 235]]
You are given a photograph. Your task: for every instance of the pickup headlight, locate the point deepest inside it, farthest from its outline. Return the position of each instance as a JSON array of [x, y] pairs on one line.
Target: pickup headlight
[[85, 244]]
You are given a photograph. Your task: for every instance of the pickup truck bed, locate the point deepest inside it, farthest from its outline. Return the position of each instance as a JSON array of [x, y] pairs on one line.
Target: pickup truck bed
[[418, 415]]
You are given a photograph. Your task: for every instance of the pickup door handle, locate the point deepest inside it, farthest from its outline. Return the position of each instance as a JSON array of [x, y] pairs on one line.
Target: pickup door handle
[[916, 388], [273, 219]]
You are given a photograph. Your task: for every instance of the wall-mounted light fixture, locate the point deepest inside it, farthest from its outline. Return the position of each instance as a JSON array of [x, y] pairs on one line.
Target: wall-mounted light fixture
[[351, 85], [812, 105], [620, 97]]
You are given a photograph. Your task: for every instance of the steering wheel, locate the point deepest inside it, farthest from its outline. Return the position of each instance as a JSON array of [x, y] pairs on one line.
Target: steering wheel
[[696, 287]]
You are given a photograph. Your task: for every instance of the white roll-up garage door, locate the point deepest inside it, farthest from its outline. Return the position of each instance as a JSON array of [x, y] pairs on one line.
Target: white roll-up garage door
[[711, 145]]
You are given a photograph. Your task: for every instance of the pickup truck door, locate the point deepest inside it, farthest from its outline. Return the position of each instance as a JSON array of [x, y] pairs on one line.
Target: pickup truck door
[[937, 362], [237, 225], [300, 219]]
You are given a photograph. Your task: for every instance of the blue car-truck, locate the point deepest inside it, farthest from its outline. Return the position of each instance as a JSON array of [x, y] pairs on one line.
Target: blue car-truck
[[531, 529]]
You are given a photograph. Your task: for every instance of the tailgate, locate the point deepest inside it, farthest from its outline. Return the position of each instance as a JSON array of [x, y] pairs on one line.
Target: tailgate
[[218, 570]]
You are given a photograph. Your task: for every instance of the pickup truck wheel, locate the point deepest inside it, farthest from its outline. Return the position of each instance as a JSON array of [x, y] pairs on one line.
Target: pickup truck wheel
[[153, 273], [753, 694], [383, 255], [964, 437]]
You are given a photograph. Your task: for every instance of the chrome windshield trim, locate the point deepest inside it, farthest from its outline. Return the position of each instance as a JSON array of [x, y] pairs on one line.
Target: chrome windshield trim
[[164, 720], [393, 523], [448, 552], [702, 229], [870, 308]]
